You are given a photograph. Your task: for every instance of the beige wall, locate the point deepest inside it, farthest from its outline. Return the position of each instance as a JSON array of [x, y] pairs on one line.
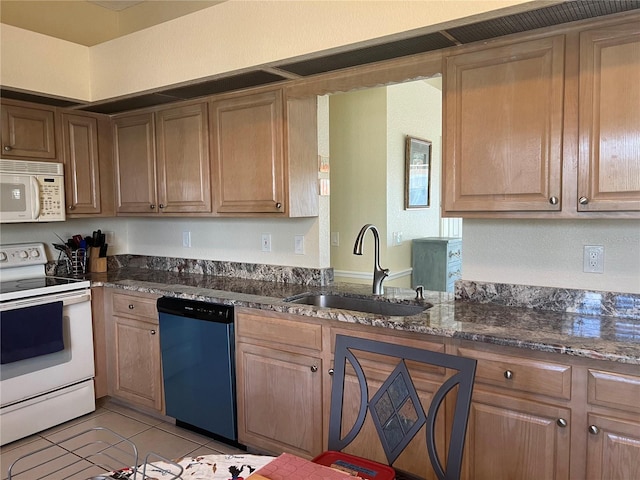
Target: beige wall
[[367, 137], [233, 35], [357, 135]]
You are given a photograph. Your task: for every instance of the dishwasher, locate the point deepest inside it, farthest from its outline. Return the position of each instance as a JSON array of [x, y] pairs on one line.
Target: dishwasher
[[198, 366]]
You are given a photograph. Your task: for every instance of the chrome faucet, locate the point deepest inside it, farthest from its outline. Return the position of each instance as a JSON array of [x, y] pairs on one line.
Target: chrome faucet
[[379, 273]]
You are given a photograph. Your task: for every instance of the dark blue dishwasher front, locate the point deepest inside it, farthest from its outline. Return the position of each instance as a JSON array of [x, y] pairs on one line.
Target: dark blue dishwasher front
[[198, 365]]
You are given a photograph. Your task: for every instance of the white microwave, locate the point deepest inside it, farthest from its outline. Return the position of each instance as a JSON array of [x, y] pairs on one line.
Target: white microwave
[[31, 191]]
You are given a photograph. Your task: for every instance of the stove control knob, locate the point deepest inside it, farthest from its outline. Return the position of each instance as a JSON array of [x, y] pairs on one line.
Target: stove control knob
[[3, 257], [35, 253], [24, 254]]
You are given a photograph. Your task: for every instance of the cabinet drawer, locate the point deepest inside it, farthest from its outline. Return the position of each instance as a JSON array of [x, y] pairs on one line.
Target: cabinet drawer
[[138, 306], [521, 374], [279, 330], [614, 390]]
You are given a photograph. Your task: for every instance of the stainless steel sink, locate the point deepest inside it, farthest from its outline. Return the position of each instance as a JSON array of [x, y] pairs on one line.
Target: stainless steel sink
[[366, 305]]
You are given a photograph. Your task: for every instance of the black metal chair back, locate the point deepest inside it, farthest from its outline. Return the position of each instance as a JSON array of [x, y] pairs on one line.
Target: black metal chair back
[[388, 407]]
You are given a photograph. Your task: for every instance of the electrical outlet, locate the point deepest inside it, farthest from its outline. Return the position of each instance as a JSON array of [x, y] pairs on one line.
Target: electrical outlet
[[266, 242], [335, 239], [593, 259], [397, 238], [298, 241], [186, 239]]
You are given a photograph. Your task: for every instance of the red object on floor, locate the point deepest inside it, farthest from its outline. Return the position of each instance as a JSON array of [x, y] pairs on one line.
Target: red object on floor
[[365, 468]]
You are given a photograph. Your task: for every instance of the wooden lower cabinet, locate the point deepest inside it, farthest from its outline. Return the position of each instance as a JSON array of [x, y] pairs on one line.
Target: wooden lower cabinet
[[511, 438], [613, 425], [279, 384], [534, 415], [133, 349]]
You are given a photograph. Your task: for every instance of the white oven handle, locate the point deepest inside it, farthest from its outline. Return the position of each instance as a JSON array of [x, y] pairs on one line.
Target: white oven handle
[[67, 298], [35, 186]]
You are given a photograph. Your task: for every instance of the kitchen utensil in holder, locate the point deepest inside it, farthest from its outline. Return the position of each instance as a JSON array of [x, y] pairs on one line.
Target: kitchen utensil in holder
[[77, 262]]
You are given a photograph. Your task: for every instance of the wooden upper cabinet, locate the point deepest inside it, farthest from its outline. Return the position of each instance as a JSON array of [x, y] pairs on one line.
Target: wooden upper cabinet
[[82, 166], [248, 155], [134, 154], [162, 161], [182, 149], [28, 132], [609, 119], [503, 135], [264, 154]]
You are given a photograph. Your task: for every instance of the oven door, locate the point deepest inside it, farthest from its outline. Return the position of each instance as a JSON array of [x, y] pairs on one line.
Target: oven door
[[19, 198], [23, 379]]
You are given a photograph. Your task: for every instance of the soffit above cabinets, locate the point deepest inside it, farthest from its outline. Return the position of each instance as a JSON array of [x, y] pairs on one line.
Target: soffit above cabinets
[[323, 62]]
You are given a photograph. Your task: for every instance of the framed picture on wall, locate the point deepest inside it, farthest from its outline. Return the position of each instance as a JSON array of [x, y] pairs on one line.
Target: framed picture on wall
[[417, 178]]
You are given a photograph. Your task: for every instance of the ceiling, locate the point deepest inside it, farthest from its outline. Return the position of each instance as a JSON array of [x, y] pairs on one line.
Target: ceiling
[[386, 49], [90, 22]]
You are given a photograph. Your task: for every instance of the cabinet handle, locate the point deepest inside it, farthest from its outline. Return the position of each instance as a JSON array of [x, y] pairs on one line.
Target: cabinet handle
[[278, 205], [152, 206], [314, 368], [161, 205], [331, 371], [593, 430], [7, 148], [153, 332], [562, 422], [553, 200], [130, 306], [583, 200], [508, 374]]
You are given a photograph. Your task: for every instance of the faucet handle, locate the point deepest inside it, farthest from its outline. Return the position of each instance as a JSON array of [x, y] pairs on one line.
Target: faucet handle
[[419, 292]]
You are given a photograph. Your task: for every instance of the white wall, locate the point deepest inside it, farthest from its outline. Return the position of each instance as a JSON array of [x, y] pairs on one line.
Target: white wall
[[213, 239], [413, 109], [550, 253]]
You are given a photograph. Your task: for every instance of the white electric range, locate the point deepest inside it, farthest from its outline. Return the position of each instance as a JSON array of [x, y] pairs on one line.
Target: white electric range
[[46, 361]]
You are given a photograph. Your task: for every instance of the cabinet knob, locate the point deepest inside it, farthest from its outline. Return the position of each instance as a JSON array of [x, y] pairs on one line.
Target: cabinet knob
[[593, 430], [153, 332], [130, 306], [161, 205], [278, 205], [7, 148], [508, 374], [331, 371], [553, 200], [72, 207], [314, 368], [152, 206], [562, 422], [583, 200]]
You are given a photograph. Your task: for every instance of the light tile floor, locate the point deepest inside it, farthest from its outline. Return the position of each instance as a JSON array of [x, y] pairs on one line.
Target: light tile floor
[[147, 433]]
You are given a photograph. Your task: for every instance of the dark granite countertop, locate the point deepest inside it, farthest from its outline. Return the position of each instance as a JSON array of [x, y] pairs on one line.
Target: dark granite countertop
[[598, 337]]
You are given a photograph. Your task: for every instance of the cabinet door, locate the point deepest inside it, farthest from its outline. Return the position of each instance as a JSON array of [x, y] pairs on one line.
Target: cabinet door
[[81, 161], [183, 159], [134, 153], [613, 448], [609, 158], [279, 400], [504, 116], [28, 132], [136, 369], [247, 136], [509, 438]]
